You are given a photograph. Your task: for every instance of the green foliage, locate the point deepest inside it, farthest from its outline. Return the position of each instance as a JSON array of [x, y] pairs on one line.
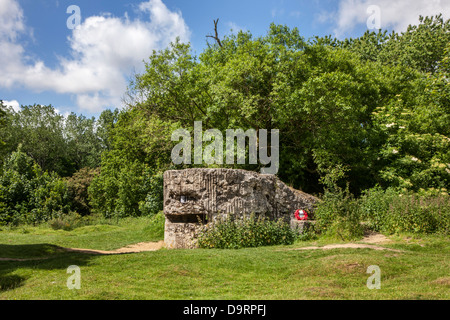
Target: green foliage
[[125, 188], [2, 124], [130, 182], [153, 202], [82, 143], [352, 114], [77, 186], [421, 47], [69, 221], [394, 212], [375, 204], [233, 233], [338, 213], [28, 194], [55, 143], [105, 125], [156, 226], [416, 126], [320, 99]]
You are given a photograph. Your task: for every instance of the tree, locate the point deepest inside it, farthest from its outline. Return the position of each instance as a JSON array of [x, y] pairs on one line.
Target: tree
[[320, 99], [3, 116], [28, 194], [77, 186], [40, 131], [421, 47], [84, 146], [104, 126]]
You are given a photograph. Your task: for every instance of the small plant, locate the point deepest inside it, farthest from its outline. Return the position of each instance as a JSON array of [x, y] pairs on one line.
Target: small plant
[[375, 204], [68, 222], [338, 215], [309, 233]]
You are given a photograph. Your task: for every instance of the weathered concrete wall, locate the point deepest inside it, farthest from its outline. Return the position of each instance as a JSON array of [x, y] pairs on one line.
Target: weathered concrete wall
[[194, 196]]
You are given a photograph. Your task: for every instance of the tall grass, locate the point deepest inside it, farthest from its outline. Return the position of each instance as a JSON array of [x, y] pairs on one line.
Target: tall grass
[[394, 212]]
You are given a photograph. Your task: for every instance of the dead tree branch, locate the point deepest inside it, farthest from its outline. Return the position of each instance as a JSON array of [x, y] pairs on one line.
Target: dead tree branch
[[216, 37]]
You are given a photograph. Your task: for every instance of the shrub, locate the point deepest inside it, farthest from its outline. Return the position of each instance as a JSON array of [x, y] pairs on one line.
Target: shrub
[[125, 188], [65, 221], [153, 202], [413, 213], [393, 212], [338, 215], [28, 194], [77, 186], [156, 226], [234, 233], [375, 204]]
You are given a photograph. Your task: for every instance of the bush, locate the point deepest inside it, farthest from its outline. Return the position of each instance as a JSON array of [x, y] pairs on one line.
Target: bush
[[156, 226], [393, 212], [68, 222], [375, 204], [78, 186], [233, 233], [153, 202], [29, 195], [338, 215], [413, 213], [125, 188]]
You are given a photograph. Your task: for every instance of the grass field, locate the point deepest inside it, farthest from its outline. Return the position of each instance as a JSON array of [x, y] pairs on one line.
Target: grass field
[[419, 271]]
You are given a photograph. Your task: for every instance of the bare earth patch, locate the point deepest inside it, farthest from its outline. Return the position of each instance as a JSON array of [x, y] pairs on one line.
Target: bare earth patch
[[371, 241], [442, 281], [134, 248], [375, 238], [348, 245]]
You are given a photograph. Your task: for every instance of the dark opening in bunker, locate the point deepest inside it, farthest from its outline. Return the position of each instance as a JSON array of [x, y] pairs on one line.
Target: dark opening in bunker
[[185, 198], [187, 218]]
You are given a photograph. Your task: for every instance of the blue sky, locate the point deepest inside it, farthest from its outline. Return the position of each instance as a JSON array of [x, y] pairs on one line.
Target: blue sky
[[86, 70]]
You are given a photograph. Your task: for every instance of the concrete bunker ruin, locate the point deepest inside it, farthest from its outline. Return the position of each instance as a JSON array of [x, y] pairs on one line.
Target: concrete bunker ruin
[[194, 197]]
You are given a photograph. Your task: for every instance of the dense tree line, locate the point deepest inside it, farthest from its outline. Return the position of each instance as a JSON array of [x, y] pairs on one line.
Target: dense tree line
[[377, 106], [367, 112], [56, 143], [48, 160]]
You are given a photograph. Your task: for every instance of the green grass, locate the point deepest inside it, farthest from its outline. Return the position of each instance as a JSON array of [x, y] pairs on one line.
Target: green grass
[[278, 272], [104, 236]]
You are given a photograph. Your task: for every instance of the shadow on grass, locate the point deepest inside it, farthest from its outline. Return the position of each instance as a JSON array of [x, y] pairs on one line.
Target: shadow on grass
[[34, 256]]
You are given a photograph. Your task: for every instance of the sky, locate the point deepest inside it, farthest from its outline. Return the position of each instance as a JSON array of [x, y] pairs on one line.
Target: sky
[[80, 56]]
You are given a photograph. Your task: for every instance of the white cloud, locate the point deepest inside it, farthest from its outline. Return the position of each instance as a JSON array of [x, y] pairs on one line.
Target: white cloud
[[104, 52], [13, 104], [235, 28], [275, 12], [11, 19], [295, 14], [394, 14]]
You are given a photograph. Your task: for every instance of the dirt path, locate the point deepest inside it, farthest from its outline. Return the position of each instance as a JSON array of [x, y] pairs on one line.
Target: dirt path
[[349, 245], [375, 238], [371, 241], [134, 248]]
